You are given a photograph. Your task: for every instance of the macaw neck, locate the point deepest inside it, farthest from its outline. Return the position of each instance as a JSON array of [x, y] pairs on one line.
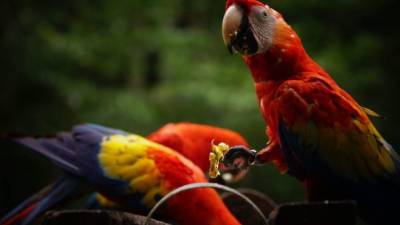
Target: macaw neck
[[281, 62]]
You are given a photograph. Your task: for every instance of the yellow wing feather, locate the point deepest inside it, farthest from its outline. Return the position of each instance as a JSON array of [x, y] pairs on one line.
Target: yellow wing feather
[[125, 158]]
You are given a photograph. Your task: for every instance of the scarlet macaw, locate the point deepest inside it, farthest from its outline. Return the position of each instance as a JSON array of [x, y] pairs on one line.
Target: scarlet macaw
[[192, 141], [128, 169], [317, 131]]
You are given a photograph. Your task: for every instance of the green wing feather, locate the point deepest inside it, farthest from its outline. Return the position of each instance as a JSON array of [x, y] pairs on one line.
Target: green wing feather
[[356, 153], [328, 127]]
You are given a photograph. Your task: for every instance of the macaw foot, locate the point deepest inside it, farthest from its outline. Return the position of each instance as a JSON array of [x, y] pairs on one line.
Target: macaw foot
[[239, 157]]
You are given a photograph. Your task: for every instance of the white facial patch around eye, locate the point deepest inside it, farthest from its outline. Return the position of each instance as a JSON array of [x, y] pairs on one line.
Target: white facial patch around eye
[[260, 13], [262, 23]]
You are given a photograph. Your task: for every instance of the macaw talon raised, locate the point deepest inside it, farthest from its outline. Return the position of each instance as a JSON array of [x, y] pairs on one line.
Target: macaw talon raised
[[239, 157]]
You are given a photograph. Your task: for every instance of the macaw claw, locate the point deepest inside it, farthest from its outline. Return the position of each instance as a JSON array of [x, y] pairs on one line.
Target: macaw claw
[[239, 157]]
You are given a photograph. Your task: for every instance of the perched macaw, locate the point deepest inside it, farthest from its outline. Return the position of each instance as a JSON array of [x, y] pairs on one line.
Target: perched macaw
[[130, 170], [317, 131], [192, 141]]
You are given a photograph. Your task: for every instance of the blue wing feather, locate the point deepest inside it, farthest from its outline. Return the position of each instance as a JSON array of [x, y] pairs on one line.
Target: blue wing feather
[[76, 153], [102, 129], [54, 150]]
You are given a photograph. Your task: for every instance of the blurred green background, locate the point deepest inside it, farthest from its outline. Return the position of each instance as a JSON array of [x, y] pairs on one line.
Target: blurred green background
[[137, 65]]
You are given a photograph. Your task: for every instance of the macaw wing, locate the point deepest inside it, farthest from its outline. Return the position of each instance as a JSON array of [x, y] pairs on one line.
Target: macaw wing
[[321, 130], [359, 154], [133, 168], [127, 168]]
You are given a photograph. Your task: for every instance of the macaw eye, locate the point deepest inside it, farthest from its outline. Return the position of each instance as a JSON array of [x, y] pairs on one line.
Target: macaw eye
[[260, 13], [265, 14]]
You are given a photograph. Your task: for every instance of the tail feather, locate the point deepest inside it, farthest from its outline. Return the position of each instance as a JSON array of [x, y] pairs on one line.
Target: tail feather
[[20, 216], [34, 206], [60, 191], [24, 208]]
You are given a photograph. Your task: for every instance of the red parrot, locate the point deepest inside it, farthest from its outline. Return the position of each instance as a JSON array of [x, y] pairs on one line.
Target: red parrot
[[192, 141], [130, 170], [317, 132]]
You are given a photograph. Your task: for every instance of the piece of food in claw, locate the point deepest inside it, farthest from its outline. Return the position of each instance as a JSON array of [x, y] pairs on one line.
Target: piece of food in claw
[[216, 155]]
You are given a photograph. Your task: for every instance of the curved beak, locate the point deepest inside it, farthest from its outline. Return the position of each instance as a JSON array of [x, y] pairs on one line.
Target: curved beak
[[231, 24], [236, 32]]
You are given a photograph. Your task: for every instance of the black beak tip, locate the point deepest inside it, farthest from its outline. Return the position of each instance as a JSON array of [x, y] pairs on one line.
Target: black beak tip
[[230, 48]]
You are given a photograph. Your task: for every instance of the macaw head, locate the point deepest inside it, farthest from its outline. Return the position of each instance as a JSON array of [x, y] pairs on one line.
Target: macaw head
[[250, 27], [194, 142]]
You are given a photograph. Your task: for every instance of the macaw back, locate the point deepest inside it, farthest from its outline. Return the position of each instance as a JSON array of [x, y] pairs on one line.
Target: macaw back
[[194, 140]]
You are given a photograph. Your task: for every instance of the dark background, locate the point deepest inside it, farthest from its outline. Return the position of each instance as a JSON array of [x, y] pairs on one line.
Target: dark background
[[137, 65]]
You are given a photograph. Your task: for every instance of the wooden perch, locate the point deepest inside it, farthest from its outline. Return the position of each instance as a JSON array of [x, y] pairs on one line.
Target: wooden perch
[[95, 217], [318, 213]]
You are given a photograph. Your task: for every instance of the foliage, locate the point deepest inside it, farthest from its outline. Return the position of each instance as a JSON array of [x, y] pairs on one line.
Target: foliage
[[136, 65]]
